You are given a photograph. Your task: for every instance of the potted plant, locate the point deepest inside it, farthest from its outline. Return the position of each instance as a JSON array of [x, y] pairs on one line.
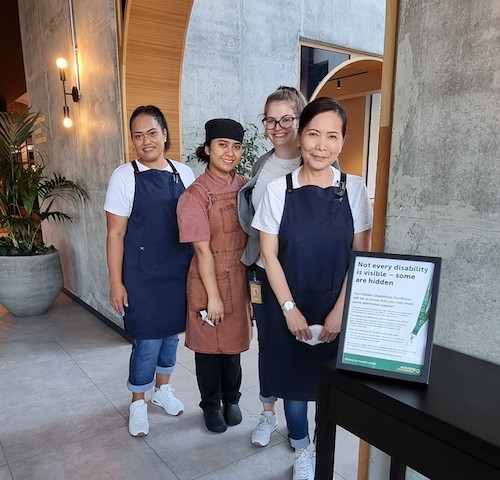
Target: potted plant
[[30, 271]]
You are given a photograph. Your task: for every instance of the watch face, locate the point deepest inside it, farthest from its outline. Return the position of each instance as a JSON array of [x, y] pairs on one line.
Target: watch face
[[288, 305]]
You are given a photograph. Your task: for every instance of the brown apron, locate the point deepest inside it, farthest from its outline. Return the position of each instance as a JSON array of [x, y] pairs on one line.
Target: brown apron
[[227, 242]]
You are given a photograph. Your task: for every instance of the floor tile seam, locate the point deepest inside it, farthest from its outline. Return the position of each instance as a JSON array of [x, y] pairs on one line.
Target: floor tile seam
[[145, 440], [10, 470], [5, 341], [106, 397], [74, 442], [257, 451], [27, 365], [249, 387], [4, 456], [87, 375]]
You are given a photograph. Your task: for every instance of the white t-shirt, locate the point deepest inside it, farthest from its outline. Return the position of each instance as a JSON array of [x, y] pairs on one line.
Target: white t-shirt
[[273, 168], [121, 187], [269, 213]]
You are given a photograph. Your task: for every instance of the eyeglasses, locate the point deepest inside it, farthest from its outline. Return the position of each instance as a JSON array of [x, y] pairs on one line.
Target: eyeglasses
[[151, 134], [283, 122]]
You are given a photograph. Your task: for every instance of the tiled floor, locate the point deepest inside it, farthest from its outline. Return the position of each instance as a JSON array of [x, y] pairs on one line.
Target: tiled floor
[[64, 412]]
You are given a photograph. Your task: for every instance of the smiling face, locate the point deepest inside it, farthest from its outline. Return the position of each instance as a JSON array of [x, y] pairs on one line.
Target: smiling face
[[224, 154], [321, 140], [279, 136], [149, 140]]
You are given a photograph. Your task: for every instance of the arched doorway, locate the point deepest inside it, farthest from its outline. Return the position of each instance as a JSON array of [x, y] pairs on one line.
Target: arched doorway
[[356, 84]]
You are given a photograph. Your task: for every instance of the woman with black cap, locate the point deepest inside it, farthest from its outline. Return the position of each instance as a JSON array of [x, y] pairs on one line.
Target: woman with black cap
[[218, 325]]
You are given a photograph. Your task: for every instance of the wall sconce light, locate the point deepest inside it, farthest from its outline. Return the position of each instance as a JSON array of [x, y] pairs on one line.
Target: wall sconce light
[[338, 84], [75, 93]]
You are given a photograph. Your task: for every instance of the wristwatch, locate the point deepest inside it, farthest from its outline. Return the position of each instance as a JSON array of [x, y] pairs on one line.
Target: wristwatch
[[288, 305]]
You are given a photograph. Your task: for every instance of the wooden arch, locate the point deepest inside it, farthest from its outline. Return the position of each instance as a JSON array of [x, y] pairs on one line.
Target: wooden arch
[[357, 76], [151, 55]]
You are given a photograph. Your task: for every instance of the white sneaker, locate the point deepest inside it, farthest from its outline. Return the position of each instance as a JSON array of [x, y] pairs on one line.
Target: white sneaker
[[303, 467], [164, 397], [313, 461], [138, 425], [268, 423]]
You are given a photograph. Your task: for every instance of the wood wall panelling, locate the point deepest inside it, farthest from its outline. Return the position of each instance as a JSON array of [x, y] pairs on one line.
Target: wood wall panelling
[[153, 51]]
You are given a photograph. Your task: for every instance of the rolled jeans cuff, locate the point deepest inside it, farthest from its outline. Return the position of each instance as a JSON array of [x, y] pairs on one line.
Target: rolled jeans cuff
[[268, 400]]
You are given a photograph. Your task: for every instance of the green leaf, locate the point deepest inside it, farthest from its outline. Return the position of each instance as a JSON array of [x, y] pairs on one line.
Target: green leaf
[[27, 196]]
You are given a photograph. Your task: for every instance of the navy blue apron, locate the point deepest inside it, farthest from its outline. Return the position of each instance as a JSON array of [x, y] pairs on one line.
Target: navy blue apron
[[315, 242], [155, 264]]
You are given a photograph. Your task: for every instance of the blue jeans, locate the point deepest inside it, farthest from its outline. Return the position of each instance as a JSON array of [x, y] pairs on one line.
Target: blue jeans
[[260, 312], [297, 423], [150, 356]]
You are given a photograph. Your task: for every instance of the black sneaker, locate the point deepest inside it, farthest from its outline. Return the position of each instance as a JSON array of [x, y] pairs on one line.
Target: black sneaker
[[215, 421], [232, 414]]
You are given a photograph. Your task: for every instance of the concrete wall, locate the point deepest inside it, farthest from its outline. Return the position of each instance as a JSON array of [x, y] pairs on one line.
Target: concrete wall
[[92, 148], [444, 192], [233, 61], [444, 196]]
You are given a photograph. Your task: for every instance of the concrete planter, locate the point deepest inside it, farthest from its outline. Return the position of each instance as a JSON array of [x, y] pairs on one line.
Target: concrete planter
[[29, 285]]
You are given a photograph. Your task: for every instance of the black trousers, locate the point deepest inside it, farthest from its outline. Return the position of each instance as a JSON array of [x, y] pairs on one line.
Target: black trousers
[[219, 379]]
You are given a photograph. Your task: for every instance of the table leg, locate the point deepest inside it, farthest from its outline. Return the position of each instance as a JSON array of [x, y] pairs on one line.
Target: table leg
[[398, 470], [325, 443]]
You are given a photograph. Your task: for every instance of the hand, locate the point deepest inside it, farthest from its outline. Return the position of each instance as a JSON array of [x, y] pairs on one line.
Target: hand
[[331, 328], [215, 310], [118, 298], [297, 324]]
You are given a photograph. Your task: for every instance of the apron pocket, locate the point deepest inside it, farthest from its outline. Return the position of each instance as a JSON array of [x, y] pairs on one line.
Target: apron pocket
[[197, 295], [229, 218], [315, 306], [154, 263]]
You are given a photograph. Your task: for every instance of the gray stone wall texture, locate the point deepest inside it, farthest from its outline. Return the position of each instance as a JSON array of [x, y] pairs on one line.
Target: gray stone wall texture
[[234, 60], [444, 194], [237, 52], [92, 148]]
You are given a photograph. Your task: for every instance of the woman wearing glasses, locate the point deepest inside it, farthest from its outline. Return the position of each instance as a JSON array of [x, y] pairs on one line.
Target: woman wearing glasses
[[147, 264], [281, 112]]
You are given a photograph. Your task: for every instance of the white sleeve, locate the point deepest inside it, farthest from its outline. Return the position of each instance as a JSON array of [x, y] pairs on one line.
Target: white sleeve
[[121, 189], [361, 209], [269, 213]]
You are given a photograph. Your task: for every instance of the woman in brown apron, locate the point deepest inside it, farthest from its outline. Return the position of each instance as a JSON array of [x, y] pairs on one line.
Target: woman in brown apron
[[218, 325]]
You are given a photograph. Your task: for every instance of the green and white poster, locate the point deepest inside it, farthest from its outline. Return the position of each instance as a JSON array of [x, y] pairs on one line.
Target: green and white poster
[[389, 315]]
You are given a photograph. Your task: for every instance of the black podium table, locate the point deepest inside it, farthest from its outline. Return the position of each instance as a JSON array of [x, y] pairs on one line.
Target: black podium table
[[449, 429]]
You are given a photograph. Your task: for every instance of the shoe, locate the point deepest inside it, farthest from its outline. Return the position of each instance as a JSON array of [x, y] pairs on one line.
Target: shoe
[[164, 397], [313, 461], [268, 423], [232, 414], [138, 425], [215, 421], [303, 467]]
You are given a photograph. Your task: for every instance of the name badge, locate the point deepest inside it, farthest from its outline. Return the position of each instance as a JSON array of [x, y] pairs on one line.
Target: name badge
[[255, 291]]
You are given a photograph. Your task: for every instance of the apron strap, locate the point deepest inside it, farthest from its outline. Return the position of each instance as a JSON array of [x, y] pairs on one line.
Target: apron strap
[[207, 192], [289, 183], [341, 188], [177, 177]]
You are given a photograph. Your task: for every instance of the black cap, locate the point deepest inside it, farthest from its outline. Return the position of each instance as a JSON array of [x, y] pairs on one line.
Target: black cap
[[223, 128]]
